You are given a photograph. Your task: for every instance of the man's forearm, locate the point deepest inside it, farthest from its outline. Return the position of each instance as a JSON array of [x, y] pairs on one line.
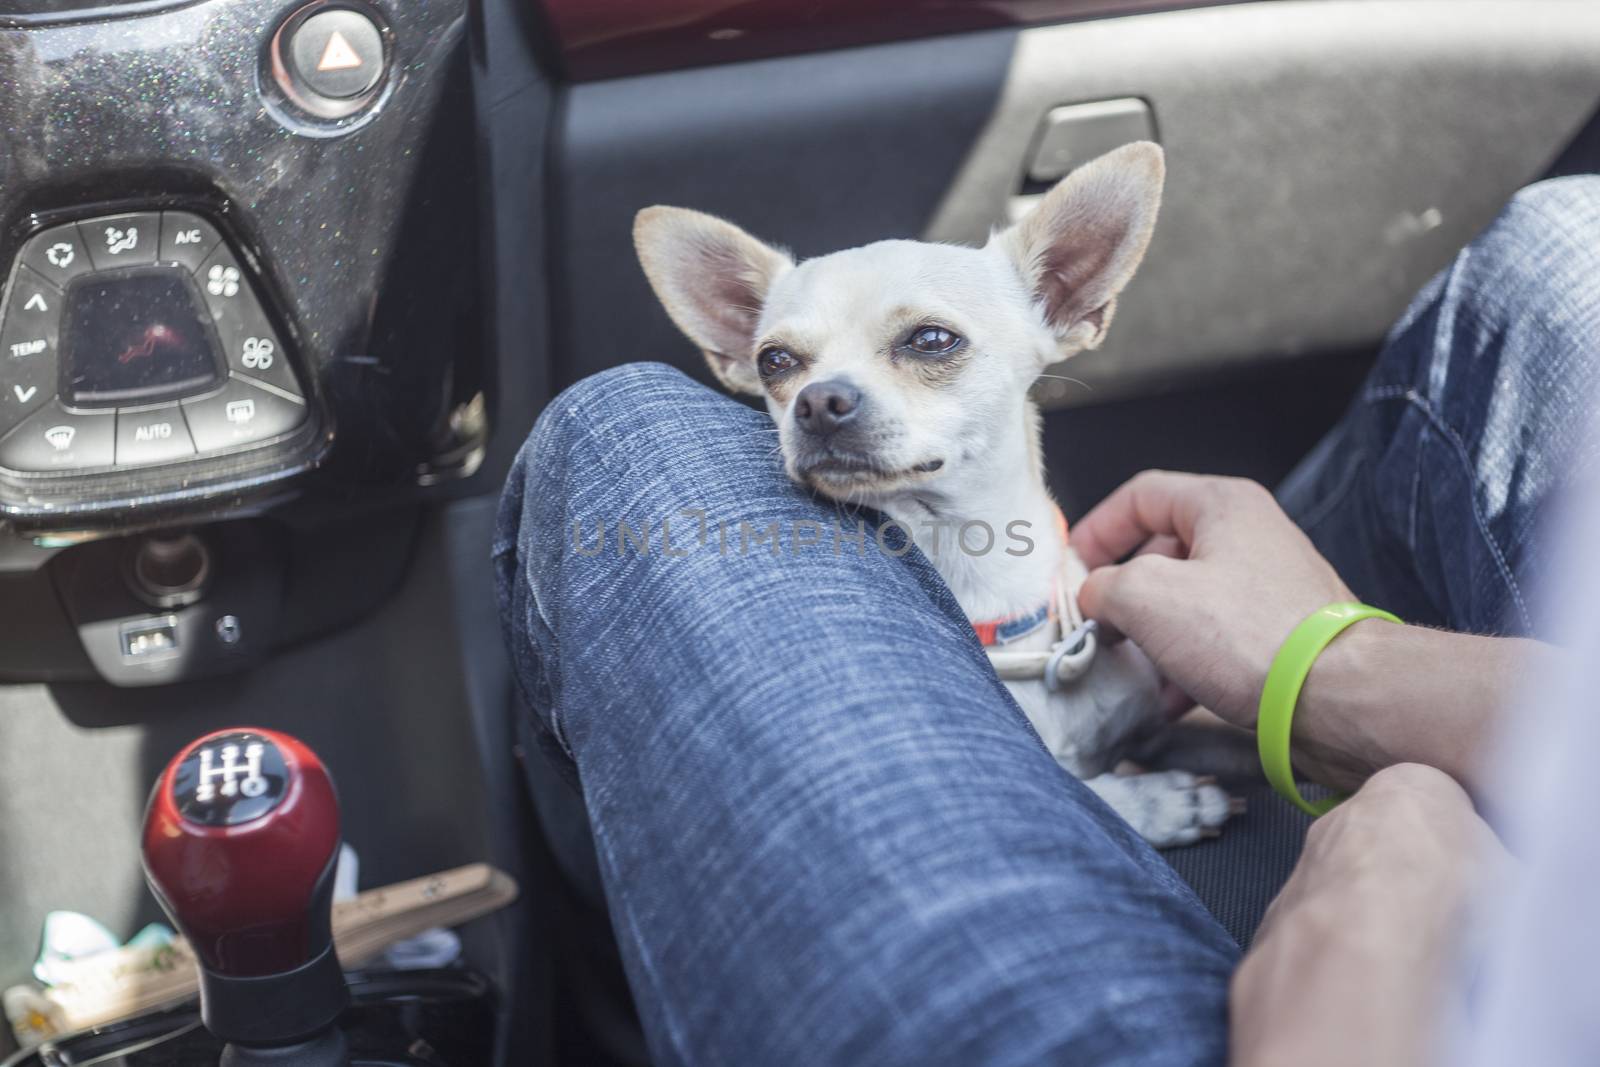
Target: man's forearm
[[1383, 694]]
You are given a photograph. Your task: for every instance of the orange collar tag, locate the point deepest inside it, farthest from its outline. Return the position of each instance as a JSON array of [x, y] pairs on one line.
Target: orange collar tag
[[1003, 631]]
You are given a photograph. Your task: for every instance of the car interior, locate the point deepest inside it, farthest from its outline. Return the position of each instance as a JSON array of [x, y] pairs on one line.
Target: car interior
[[289, 282]]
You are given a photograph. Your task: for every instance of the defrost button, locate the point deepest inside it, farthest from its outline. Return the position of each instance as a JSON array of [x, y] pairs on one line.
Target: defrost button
[[56, 439], [241, 414]]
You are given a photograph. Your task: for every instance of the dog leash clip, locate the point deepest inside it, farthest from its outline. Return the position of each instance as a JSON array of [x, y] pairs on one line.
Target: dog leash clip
[[1070, 658]]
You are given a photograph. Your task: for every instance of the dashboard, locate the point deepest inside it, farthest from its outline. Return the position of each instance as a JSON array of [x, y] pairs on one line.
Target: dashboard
[[241, 330], [211, 225]]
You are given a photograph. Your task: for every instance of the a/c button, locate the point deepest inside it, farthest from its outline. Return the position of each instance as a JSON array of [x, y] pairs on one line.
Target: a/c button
[[239, 415]]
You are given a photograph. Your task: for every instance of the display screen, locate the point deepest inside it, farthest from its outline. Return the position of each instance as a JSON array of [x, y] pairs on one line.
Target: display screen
[[134, 337]]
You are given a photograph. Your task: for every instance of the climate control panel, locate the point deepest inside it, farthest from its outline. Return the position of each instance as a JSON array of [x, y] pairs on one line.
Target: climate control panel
[[137, 339]]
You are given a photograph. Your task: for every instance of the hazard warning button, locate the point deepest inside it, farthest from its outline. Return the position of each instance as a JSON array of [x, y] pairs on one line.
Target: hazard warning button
[[337, 53]]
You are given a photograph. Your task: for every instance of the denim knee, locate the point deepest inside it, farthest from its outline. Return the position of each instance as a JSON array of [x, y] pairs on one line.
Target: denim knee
[[581, 424], [1518, 309], [617, 383], [1567, 206], [602, 411], [1539, 257], [580, 429]]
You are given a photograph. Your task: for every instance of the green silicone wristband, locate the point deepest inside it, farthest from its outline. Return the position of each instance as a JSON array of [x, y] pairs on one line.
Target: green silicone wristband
[[1285, 678]]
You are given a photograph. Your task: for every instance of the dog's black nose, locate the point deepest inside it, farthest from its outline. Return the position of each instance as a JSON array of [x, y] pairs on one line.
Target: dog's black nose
[[823, 407]]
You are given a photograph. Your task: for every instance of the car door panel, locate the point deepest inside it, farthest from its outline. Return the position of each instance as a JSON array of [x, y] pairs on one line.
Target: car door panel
[[1324, 159]]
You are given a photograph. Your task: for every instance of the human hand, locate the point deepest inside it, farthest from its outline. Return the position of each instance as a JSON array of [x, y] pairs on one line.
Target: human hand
[[1351, 961], [1220, 579]]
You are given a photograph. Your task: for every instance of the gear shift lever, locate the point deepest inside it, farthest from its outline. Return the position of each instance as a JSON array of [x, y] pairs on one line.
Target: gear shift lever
[[241, 839]]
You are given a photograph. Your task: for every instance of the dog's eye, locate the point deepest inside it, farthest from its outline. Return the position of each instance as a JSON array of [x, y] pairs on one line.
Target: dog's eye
[[772, 360], [933, 340]]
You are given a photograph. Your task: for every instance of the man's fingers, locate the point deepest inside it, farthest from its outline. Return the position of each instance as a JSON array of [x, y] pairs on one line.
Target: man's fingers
[[1153, 504], [1164, 545], [1117, 596], [1093, 595]]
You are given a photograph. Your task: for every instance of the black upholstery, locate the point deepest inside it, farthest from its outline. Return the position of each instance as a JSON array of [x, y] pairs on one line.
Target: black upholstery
[[1237, 874]]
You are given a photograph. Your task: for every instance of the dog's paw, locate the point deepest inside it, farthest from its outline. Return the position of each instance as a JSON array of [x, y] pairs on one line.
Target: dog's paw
[[1168, 808]]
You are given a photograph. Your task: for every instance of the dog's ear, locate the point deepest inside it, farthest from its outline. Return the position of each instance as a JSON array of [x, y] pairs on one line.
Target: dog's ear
[[1079, 246], [712, 278]]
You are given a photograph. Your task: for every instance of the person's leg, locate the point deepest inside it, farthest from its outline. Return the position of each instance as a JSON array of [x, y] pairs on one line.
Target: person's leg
[[827, 834], [1431, 496]]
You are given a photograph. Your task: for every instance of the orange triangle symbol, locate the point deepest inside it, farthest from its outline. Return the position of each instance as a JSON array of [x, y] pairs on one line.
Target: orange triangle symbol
[[338, 55]]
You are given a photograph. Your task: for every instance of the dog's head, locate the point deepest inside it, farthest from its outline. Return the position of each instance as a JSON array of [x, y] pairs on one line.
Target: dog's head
[[892, 367]]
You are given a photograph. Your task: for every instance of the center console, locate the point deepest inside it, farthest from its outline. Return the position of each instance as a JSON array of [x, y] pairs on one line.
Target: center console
[[251, 422], [240, 245], [242, 310]]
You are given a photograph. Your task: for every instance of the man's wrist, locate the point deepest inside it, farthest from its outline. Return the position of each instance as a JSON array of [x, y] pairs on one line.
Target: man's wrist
[[1382, 694], [1341, 732]]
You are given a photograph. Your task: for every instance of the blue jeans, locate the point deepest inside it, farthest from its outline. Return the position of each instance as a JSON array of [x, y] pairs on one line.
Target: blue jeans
[[1432, 496], [826, 833]]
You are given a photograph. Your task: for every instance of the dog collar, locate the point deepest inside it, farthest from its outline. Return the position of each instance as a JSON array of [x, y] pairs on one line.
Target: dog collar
[[1011, 628]]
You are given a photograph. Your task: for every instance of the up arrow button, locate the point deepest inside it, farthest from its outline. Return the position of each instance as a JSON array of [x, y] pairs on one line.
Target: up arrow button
[[35, 302]]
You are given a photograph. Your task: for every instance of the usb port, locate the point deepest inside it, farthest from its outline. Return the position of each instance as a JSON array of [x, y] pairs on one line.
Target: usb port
[[147, 640]]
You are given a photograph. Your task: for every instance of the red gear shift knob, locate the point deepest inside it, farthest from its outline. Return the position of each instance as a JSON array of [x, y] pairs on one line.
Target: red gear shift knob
[[241, 839]]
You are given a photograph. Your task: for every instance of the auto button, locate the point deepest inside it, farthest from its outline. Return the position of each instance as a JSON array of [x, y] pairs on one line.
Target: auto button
[[242, 413], [56, 439], [154, 435]]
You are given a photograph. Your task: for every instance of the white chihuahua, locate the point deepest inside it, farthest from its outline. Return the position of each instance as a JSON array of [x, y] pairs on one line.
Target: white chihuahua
[[898, 375]]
